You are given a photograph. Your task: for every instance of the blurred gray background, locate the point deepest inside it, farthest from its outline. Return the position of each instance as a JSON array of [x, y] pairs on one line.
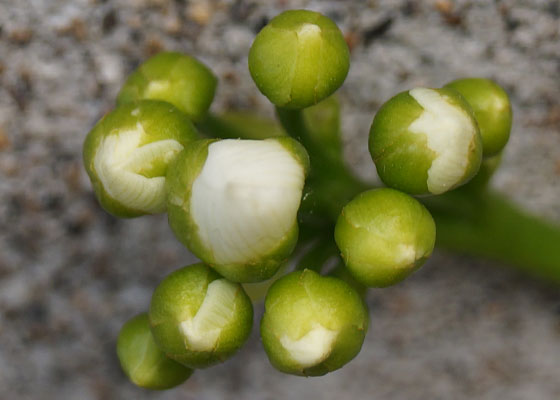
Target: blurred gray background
[[70, 275]]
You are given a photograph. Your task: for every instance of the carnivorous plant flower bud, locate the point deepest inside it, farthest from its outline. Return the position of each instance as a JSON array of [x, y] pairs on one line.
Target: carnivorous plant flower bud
[[176, 78], [312, 324], [126, 155], [425, 141], [492, 110], [384, 235], [143, 362], [299, 58], [199, 318], [234, 203]]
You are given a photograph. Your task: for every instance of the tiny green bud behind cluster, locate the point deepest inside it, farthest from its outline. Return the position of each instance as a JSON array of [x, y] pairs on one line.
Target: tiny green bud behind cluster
[[384, 235], [127, 153], [312, 324], [176, 78], [492, 110], [142, 360], [199, 318], [298, 59], [425, 141], [234, 203]]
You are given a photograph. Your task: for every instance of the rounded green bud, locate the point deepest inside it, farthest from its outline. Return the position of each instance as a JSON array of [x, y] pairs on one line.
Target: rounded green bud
[[312, 324], [176, 78], [299, 58], [143, 362], [492, 110], [234, 203], [425, 141], [126, 156], [199, 318], [384, 235]]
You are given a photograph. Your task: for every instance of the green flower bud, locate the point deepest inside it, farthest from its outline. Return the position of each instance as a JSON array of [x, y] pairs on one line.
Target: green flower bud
[[312, 324], [234, 203], [143, 362], [298, 59], [176, 78], [384, 235], [126, 156], [199, 318], [425, 141], [492, 110]]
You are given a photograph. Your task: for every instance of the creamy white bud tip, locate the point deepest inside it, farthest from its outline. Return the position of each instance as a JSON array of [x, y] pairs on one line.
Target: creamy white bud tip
[[449, 131], [245, 200], [217, 310], [312, 348], [119, 162]]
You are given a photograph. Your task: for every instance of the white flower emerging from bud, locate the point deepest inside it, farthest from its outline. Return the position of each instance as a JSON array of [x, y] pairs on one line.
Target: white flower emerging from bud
[[426, 141], [236, 208], [198, 318], [127, 153]]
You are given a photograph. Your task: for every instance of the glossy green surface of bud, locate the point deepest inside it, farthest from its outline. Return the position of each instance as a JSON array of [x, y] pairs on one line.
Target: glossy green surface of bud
[[492, 110], [127, 153], [199, 318], [312, 324], [425, 141], [384, 235], [176, 78], [299, 58], [234, 203], [142, 360]]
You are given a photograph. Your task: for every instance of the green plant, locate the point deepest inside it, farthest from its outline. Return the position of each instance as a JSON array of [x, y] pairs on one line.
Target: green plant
[[253, 199]]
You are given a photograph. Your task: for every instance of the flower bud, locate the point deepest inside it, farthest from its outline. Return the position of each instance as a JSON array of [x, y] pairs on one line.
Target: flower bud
[[199, 318], [298, 59], [143, 362], [384, 235], [234, 203], [425, 141], [312, 324], [126, 156], [176, 78], [492, 110]]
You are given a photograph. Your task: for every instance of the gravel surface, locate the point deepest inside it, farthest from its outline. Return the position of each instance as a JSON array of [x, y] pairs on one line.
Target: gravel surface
[[70, 274]]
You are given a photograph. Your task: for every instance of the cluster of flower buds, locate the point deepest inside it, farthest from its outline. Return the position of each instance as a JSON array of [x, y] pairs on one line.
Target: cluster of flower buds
[[238, 199]]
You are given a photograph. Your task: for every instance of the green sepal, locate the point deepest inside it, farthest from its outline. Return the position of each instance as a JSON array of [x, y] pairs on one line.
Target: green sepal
[[296, 303], [142, 360], [492, 111], [295, 67], [173, 77], [384, 235]]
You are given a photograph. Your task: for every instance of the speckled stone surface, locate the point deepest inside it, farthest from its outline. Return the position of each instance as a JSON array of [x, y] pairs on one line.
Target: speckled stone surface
[[70, 274]]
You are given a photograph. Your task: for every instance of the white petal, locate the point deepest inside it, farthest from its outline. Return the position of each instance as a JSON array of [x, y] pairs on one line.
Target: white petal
[[449, 131], [118, 160], [311, 349], [245, 199], [217, 310]]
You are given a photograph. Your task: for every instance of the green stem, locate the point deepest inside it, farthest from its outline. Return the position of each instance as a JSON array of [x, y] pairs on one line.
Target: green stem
[[331, 184], [489, 225]]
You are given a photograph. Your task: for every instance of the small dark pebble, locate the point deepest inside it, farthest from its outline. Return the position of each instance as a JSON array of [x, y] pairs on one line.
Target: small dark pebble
[[240, 10], [110, 20], [20, 36], [378, 30], [21, 90], [260, 24], [409, 8]]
